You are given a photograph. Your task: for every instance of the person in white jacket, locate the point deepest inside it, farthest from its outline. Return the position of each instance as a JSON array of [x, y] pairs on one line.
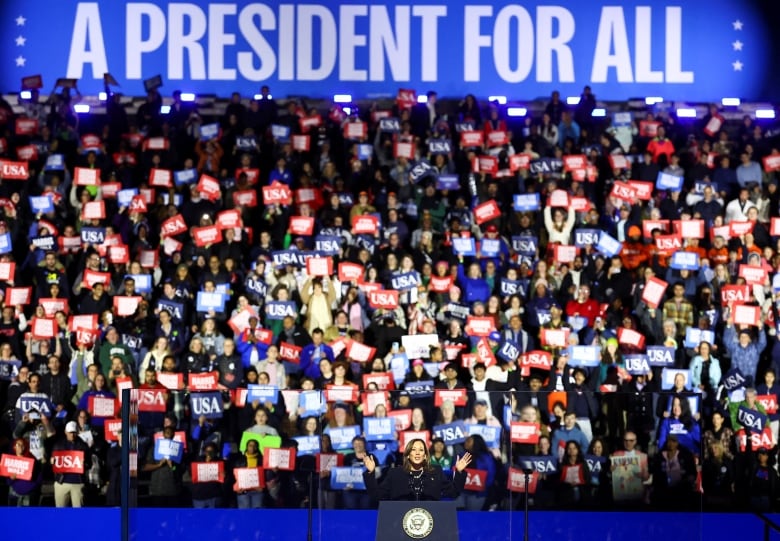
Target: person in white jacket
[[559, 225]]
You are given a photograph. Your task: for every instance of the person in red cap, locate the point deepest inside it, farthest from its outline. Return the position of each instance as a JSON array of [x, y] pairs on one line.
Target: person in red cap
[[634, 252]]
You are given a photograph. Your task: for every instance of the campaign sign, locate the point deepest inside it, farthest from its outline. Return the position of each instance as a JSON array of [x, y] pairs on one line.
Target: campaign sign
[[668, 375], [41, 204], [585, 356], [539, 464], [206, 301], [665, 181], [102, 406], [447, 182], [185, 176], [9, 370], [526, 245], [405, 281], [152, 400], [586, 237], [342, 437], [209, 405], [685, 261], [328, 244], [143, 282], [524, 432], [379, 429], [208, 472], [419, 389], [608, 245], [491, 434], [279, 458], [508, 351], [312, 403], [278, 310], [6, 244], [248, 479], [694, 337], [35, 405], [44, 243], [452, 433], [769, 401], [661, 356], [65, 462], [20, 467], [165, 449], [636, 364], [465, 246], [516, 480], [456, 396], [733, 379], [526, 202], [262, 393], [751, 419], [308, 445], [399, 366], [348, 478]]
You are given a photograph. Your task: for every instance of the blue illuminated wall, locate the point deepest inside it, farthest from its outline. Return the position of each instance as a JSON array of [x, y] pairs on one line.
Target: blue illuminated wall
[[286, 525], [692, 49]]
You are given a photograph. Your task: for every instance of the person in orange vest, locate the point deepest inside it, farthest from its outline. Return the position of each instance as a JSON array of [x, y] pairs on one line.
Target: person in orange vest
[[692, 245], [660, 145], [634, 252], [719, 253]]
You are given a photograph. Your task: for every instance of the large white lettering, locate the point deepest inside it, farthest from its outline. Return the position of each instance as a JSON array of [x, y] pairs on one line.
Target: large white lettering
[[643, 39], [179, 41], [429, 16], [260, 46], [87, 29], [390, 44], [305, 46], [612, 36], [547, 44], [135, 44], [218, 40], [613, 50], [524, 45], [474, 40], [674, 72], [349, 40]]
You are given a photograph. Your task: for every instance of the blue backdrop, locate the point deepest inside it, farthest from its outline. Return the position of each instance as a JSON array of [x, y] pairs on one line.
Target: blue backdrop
[[284, 524], [697, 49]]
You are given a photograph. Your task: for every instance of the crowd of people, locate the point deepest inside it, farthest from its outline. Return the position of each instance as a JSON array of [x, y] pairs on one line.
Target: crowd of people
[[587, 306]]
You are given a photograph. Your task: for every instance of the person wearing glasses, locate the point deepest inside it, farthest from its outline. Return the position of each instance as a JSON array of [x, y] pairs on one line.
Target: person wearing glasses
[[630, 471]]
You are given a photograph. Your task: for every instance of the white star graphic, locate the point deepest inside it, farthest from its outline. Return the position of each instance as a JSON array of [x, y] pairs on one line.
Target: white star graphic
[[737, 45], [20, 21], [20, 41], [20, 60], [737, 65], [737, 25]]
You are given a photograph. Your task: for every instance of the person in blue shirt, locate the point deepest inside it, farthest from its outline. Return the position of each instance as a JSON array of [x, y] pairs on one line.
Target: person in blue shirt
[[312, 353], [475, 288], [568, 432], [682, 424], [281, 173]]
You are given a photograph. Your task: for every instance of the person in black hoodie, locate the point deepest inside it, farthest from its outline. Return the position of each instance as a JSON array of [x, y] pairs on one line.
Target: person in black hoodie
[[207, 490]]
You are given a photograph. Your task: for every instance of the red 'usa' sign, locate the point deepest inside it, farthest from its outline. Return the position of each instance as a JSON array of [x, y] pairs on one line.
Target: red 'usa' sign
[[67, 462]]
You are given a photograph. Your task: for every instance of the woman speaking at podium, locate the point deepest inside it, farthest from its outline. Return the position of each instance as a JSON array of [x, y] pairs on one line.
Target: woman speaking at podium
[[418, 479]]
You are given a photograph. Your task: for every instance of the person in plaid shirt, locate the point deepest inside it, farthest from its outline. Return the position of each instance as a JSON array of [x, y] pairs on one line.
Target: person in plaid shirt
[[679, 310]]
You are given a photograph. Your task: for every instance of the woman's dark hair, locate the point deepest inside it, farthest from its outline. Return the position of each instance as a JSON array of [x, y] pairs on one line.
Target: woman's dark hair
[[407, 465], [580, 459], [478, 445], [686, 418]]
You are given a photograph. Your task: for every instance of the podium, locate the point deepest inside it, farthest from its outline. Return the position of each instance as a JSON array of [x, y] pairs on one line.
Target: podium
[[405, 520]]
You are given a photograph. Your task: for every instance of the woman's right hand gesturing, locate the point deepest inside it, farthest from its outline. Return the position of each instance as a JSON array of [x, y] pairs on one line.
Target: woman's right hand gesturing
[[368, 462]]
